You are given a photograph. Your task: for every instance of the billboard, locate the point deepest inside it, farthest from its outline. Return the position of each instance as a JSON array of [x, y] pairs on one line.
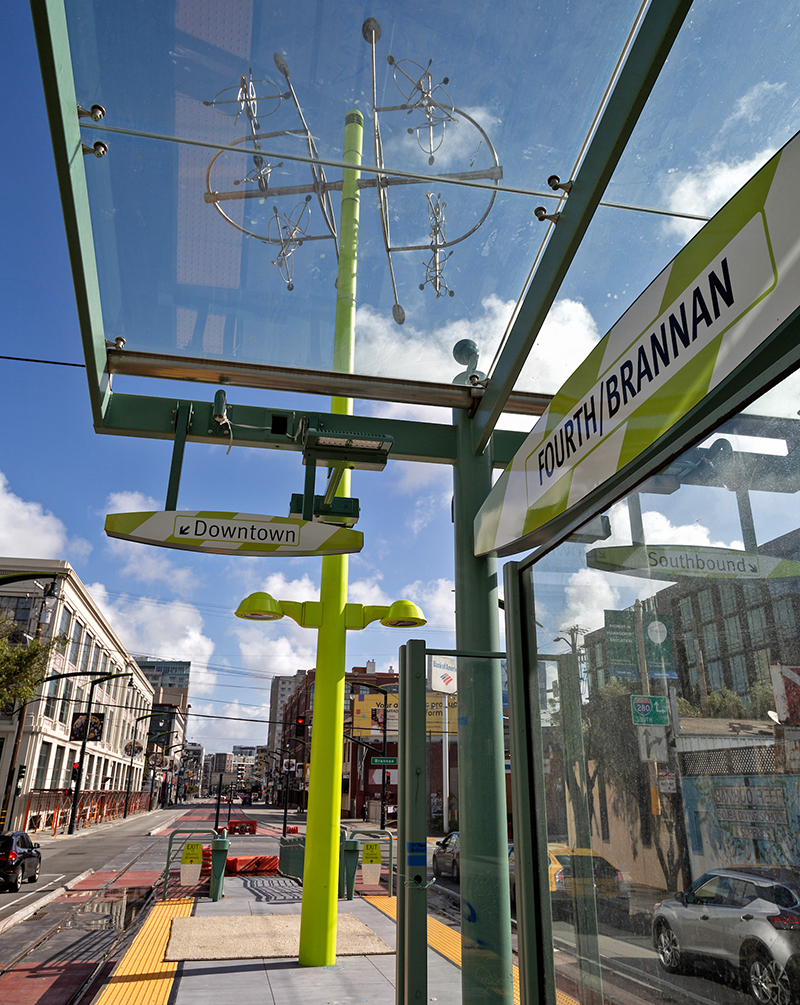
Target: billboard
[[369, 710], [79, 723]]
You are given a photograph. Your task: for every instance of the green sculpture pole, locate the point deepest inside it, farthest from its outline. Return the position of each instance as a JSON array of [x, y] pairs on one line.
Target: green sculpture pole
[[321, 870]]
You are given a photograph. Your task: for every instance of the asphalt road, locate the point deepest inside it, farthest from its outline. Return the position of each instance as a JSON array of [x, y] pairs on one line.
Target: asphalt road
[[65, 857]]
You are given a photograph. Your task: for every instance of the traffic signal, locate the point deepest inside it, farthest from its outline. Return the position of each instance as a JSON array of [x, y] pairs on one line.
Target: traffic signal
[[388, 778], [21, 772], [299, 725], [75, 767]]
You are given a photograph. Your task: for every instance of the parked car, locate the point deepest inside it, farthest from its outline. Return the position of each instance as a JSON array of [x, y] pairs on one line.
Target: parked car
[[568, 871], [747, 918], [20, 859], [566, 880], [446, 859]]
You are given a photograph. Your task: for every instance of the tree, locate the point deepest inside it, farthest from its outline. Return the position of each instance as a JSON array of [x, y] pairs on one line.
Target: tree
[[612, 753], [23, 663]]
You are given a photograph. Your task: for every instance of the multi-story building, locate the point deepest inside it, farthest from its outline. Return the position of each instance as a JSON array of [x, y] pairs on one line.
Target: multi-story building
[[280, 692], [46, 598], [243, 751], [165, 673]]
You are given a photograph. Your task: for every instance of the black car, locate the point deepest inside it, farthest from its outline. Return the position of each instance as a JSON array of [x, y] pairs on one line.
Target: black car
[[20, 859]]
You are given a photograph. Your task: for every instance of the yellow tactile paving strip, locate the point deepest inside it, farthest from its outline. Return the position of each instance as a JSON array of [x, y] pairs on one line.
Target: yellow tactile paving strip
[[447, 941], [142, 977]]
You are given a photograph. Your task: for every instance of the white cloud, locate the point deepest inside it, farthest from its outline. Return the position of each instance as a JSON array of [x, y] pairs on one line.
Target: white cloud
[[146, 563], [130, 502], [27, 530], [146, 625], [461, 146], [437, 599], [749, 107], [589, 593], [658, 529], [567, 337], [278, 586], [384, 349], [704, 189], [222, 733], [275, 647]]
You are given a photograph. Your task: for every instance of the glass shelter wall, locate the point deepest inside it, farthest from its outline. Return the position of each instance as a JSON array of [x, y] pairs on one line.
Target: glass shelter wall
[[667, 651]]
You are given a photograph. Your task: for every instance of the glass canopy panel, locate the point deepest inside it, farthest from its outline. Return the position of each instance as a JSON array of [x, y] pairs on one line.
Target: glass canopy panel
[[723, 104], [515, 87]]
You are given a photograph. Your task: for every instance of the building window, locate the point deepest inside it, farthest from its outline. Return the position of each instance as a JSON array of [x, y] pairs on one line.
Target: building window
[[685, 607], [752, 593], [705, 602], [688, 642], [733, 633], [41, 767], [757, 623], [739, 674], [727, 597], [98, 652], [762, 661], [58, 765], [75, 648], [785, 620], [66, 618], [711, 640], [87, 649], [66, 701], [716, 678], [50, 700]]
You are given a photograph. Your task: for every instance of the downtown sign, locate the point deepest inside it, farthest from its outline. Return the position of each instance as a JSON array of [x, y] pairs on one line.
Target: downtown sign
[[733, 285], [234, 533]]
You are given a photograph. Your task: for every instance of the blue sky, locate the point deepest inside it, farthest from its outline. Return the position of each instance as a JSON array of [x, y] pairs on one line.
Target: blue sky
[[726, 101]]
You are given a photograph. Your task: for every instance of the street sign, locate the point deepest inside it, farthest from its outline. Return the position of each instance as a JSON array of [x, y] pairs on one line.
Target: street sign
[[371, 863], [649, 710], [667, 781], [674, 562], [443, 674], [653, 743], [191, 863], [234, 533], [391, 761]]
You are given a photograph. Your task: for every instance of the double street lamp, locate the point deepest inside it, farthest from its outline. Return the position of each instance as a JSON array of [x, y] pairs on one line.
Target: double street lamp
[[134, 742], [86, 729]]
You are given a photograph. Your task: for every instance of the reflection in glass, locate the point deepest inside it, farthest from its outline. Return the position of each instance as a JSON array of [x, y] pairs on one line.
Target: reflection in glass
[[671, 733]]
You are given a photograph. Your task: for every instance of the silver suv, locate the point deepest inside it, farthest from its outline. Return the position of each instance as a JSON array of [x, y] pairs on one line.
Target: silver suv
[[748, 918]]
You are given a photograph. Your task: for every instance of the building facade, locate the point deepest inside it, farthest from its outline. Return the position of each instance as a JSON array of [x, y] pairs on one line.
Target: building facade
[[47, 745]]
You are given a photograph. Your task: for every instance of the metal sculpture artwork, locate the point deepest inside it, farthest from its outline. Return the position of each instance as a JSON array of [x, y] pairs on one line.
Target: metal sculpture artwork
[[425, 99]]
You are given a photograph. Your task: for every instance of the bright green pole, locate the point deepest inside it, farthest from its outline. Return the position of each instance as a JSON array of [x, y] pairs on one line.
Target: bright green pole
[[321, 869]]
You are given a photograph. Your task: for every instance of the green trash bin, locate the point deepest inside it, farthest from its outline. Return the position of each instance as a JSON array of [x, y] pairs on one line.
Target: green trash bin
[[219, 859], [351, 850]]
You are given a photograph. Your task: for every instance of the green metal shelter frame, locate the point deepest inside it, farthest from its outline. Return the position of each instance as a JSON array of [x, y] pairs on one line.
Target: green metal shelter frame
[[472, 445]]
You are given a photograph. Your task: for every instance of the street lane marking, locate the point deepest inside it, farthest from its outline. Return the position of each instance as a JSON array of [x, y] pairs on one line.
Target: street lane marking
[[33, 893]]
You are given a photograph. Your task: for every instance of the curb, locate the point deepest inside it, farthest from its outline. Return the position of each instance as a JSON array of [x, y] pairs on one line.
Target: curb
[[24, 913]]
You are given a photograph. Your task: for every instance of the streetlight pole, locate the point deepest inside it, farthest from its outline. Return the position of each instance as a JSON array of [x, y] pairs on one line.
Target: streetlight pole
[[385, 693], [148, 715], [78, 781]]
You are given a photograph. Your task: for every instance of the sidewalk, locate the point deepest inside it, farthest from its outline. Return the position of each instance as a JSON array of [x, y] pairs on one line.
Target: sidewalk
[[143, 975]]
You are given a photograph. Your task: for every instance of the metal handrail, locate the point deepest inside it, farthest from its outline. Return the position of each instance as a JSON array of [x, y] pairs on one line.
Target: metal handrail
[[391, 848], [181, 830]]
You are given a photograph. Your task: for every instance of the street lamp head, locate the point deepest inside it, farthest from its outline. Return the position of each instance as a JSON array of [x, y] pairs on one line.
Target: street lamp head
[[404, 614], [259, 607]]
